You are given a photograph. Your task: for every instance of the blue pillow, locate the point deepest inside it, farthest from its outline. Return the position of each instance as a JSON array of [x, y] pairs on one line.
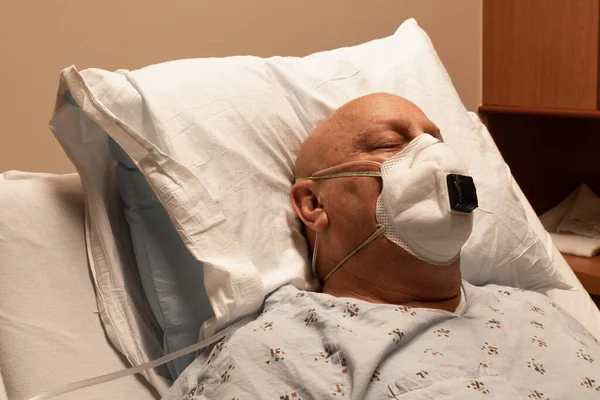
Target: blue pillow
[[172, 278]]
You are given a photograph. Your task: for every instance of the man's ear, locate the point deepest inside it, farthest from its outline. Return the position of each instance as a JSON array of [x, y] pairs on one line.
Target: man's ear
[[308, 206]]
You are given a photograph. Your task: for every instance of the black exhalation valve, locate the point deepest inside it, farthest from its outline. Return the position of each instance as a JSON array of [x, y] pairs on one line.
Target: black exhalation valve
[[462, 193]]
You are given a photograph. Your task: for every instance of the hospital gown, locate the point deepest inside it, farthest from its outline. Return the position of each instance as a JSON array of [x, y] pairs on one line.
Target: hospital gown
[[505, 343]]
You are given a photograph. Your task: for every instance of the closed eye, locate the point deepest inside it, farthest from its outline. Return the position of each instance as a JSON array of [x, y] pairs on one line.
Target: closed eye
[[391, 146]]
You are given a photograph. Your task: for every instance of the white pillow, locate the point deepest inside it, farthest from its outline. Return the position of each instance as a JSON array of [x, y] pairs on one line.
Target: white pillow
[[217, 141]]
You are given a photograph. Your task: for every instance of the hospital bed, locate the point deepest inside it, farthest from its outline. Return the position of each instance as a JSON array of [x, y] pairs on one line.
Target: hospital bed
[[50, 333], [51, 330]]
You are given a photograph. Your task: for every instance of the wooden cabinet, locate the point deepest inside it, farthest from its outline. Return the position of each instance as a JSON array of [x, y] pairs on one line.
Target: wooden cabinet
[[541, 53], [541, 100]]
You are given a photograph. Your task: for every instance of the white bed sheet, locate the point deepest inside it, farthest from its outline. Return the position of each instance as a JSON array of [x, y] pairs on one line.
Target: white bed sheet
[[50, 330]]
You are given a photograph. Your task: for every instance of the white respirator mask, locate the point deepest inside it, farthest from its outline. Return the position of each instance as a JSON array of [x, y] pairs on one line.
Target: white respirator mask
[[425, 203]]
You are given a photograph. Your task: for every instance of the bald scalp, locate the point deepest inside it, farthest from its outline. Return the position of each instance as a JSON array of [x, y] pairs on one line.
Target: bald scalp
[[354, 128]]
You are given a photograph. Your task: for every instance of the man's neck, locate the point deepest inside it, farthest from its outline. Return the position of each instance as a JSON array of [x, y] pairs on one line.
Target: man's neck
[[420, 289]]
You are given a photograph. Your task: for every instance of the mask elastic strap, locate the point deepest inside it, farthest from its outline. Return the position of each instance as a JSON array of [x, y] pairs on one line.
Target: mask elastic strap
[[374, 236], [143, 367], [340, 175], [337, 171]]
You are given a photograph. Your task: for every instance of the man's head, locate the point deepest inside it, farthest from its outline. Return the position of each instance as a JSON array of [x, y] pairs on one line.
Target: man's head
[[342, 211]]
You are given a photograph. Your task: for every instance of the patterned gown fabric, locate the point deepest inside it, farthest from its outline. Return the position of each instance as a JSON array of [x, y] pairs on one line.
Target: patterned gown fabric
[[505, 343]]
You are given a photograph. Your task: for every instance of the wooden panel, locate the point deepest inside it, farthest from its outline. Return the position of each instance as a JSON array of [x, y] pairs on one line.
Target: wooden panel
[[548, 156], [587, 270], [541, 53]]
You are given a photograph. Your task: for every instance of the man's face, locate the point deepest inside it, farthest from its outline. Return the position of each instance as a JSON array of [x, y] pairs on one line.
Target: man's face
[[371, 128]]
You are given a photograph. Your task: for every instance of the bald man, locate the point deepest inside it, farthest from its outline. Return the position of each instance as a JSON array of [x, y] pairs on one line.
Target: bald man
[[372, 128], [376, 189]]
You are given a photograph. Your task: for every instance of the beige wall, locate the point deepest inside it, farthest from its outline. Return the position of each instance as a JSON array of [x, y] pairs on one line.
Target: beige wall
[[39, 38]]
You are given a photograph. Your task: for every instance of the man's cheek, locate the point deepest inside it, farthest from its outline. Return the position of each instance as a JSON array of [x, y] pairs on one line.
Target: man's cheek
[[353, 187]]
